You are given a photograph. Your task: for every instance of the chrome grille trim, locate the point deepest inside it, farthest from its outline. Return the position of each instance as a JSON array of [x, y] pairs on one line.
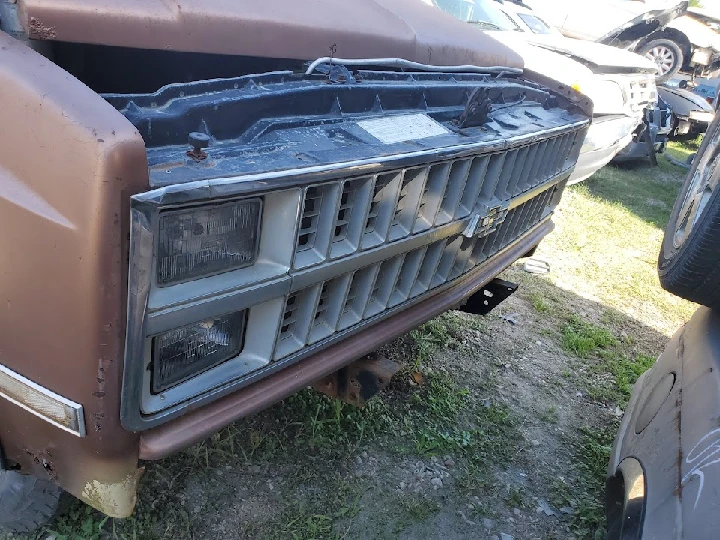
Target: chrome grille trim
[[345, 300]]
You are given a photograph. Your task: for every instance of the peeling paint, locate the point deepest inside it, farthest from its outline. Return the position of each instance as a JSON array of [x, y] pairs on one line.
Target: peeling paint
[[115, 499]]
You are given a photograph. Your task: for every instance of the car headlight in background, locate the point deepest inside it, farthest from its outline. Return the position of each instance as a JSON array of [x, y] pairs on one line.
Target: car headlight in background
[[607, 96], [184, 352], [207, 240], [605, 132]]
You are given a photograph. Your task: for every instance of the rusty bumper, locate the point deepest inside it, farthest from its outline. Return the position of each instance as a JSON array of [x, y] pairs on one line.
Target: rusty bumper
[[197, 425]]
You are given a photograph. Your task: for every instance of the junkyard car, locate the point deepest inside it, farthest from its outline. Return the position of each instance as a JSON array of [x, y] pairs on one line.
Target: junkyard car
[[693, 114], [686, 44], [664, 468], [621, 84], [197, 223], [674, 37]]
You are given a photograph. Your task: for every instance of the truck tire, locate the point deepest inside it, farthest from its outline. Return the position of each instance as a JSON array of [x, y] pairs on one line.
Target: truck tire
[[689, 262], [26, 502], [666, 54]]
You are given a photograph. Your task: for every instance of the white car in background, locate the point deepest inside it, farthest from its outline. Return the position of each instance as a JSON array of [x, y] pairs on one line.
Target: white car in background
[[621, 84], [675, 37]]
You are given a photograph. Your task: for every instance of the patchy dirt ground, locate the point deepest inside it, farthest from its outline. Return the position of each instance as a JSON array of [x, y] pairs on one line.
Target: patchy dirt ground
[[496, 427]]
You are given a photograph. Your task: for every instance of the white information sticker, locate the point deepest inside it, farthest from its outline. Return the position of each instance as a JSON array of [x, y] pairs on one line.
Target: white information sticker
[[404, 127]]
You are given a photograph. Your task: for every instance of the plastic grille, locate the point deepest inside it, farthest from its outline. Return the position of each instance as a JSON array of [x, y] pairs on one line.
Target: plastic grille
[[317, 312]]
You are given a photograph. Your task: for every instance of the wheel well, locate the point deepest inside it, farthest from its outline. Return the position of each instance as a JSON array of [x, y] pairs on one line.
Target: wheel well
[[671, 34]]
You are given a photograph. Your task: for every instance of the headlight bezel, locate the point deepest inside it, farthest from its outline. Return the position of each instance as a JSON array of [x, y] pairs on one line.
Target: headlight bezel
[[257, 288]]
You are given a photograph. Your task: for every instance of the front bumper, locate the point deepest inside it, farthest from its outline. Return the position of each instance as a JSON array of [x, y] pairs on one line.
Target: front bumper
[[658, 125], [606, 137]]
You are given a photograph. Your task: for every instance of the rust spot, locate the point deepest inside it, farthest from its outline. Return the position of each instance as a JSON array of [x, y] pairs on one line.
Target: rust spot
[[43, 460], [38, 30], [197, 155], [358, 382], [681, 355], [99, 394]]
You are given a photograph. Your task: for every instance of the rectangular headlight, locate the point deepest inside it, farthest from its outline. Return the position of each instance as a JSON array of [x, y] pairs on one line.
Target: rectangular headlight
[[207, 240], [187, 351]]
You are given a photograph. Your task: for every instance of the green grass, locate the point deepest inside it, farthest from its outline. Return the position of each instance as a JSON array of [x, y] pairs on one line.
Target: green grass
[[539, 303], [604, 254], [585, 494], [550, 415], [419, 507], [444, 420], [582, 338], [682, 149], [607, 240], [444, 332]]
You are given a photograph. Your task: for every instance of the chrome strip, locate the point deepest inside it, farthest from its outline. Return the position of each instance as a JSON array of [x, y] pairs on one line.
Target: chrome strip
[[253, 183], [41, 402], [407, 64]]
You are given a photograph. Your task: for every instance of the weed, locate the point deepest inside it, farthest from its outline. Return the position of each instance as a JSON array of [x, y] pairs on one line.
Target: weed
[[419, 507], [538, 302], [616, 374], [582, 338], [516, 497], [586, 494], [433, 335], [80, 522], [307, 527], [550, 415]]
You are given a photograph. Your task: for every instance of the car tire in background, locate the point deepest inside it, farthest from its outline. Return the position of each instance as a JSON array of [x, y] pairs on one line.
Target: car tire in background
[[666, 54], [688, 263], [26, 502]]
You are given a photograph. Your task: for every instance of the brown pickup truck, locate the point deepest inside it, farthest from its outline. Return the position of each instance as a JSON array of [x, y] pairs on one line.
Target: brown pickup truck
[[208, 205]]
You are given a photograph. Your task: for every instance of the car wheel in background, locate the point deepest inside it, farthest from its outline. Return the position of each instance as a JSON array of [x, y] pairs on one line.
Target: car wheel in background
[[666, 54], [26, 503], [688, 262]]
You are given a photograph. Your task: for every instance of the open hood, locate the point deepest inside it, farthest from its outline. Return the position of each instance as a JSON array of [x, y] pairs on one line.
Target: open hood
[[287, 29], [598, 57], [645, 23], [697, 31]]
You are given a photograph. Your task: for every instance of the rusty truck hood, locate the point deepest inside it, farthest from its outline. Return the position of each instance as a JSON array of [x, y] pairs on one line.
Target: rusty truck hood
[[291, 29]]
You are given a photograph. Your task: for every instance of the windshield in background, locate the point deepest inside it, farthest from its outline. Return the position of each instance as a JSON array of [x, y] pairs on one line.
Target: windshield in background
[[536, 24], [481, 12]]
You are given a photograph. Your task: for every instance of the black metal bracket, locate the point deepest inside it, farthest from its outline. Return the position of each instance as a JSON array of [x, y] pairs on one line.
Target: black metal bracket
[[489, 297], [477, 109]]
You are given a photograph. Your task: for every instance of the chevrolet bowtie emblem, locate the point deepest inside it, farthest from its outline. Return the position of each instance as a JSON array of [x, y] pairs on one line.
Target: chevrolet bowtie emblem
[[485, 222]]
